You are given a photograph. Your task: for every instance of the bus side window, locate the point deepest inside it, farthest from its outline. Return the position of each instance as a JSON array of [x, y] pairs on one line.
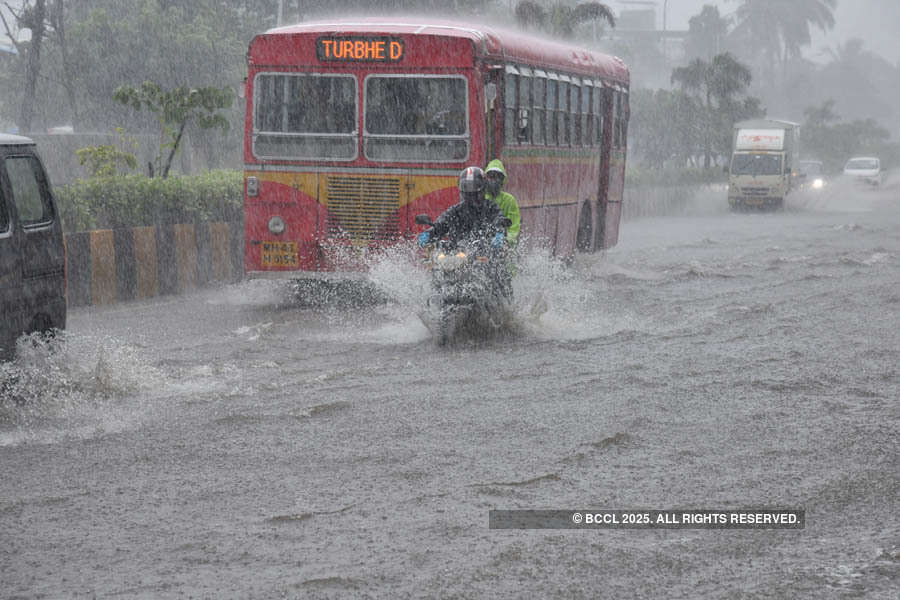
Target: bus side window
[[563, 113], [524, 122], [552, 107], [509, 101], [615, 118], [539, 117], [587, 107], [618, 120], [597, 104], [575, 114]]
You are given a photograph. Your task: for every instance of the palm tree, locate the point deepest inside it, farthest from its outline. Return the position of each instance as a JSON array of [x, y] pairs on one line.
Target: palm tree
[[562, 19], [717, 83], [861, 82], [782, 27], [706, 33], [531, 15]]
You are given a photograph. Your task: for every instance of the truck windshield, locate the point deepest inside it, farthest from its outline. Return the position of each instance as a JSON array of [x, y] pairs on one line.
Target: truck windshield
[[756, 164]]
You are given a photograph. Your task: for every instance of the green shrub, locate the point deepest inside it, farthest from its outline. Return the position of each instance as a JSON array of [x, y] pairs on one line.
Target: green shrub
[[136, 201]]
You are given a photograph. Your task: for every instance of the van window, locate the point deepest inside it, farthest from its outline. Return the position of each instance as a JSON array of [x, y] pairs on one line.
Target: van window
[[4, 216], [33, 207]]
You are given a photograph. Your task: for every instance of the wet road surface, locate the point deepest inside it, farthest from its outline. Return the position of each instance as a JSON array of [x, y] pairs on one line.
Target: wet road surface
[[231, 444]]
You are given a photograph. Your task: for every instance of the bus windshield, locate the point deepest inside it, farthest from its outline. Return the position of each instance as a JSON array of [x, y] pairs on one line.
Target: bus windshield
[[756, 164], [416, 118], [303, 115]]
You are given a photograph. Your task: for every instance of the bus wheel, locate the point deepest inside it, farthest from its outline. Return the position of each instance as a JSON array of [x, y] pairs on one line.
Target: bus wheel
[[585, 229]]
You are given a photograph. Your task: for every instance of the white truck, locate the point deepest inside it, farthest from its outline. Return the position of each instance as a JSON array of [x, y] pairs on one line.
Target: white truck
[[765, 153]]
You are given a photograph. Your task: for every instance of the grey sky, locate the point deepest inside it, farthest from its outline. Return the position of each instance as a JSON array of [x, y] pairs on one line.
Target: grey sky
[[875, 21]]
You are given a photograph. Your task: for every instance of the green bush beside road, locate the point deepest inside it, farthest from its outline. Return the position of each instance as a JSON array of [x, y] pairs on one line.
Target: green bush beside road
[[137, 201]]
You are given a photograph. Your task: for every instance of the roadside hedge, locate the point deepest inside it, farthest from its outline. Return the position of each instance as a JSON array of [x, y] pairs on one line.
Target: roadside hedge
[[136, 200]]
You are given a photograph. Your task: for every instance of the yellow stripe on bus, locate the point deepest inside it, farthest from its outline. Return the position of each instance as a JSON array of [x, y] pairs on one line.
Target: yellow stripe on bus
[[555, 160], [416, 186]]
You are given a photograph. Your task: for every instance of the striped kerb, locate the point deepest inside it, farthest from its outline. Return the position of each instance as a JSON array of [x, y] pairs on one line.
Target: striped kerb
[[145, 262], [103, 267], [220, 251], [186, 256]]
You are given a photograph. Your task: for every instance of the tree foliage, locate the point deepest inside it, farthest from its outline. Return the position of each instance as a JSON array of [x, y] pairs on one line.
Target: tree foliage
[[176, 107], [781, 28], [706, 34], [562, 19], [717, 86], [91, 47], [831, 140], [108, 160]]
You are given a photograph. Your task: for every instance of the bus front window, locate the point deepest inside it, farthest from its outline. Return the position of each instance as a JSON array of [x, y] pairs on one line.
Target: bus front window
[[306, 116], [416, 118]]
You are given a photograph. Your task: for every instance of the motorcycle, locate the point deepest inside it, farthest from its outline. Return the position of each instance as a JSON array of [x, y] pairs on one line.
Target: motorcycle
[[471, 286]]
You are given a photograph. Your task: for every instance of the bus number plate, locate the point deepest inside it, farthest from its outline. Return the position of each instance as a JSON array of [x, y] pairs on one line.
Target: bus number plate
[[279, 254]]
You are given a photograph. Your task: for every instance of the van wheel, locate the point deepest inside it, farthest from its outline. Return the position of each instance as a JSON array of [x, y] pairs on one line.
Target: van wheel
[[40, 324], [585, 229]]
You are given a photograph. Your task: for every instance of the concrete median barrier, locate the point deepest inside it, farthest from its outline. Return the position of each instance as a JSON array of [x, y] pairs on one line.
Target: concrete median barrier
[[107, 266]]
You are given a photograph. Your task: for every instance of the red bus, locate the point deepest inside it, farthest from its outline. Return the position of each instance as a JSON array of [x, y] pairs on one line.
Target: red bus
[[354, 127]]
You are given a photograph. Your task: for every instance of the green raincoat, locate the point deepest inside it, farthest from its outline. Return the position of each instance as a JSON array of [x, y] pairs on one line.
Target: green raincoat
[[507, 203]]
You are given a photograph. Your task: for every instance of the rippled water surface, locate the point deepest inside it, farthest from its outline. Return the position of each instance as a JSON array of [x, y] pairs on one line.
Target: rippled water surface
[[233, 443]]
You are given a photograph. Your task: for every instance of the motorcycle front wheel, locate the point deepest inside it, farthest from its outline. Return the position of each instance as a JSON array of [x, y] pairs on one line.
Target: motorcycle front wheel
[[445, 325]]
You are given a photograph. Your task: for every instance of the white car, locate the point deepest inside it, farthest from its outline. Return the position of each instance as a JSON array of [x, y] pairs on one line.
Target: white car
[[864, 169]]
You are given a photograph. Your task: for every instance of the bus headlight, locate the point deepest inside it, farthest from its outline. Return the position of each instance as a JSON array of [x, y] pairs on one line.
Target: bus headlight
[[818, 183], [276, 225], [252, 186]]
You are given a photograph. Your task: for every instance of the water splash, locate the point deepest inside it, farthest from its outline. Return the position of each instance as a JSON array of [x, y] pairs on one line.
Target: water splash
[[71, 386]]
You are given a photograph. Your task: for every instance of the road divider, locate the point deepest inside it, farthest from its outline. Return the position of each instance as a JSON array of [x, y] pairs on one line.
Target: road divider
[[115, 265]]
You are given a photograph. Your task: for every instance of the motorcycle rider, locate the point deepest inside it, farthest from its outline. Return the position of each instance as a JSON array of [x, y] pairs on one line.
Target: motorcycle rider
[[473, 215], [496, 179]]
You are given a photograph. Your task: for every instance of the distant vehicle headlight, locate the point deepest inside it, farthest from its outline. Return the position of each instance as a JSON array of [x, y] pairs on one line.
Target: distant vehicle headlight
[[818, 183], [276, 225]]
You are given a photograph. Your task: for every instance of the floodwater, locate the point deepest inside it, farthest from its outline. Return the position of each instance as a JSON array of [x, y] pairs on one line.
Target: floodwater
[[230, 444]]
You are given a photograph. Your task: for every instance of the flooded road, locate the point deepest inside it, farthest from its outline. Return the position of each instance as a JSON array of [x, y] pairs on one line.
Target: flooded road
[[228, 444]]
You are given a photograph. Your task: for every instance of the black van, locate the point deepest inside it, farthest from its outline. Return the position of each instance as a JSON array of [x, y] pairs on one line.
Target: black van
[[32, 251]]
